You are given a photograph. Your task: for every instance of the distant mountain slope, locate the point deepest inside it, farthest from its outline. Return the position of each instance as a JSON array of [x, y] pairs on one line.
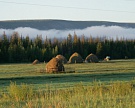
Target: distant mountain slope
[[59, 24]]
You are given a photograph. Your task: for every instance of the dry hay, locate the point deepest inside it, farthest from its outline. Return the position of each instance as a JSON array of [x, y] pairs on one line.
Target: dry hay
[[107, 58], [75, 58], [91, 58], [62, 58], [54, 65], [35, 62]]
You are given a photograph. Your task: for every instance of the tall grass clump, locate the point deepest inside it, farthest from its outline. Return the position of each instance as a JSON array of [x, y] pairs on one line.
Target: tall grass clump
[[98, 95], [19, 92]]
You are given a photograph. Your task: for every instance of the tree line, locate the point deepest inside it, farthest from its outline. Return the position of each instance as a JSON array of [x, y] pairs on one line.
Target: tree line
[[16, 49]]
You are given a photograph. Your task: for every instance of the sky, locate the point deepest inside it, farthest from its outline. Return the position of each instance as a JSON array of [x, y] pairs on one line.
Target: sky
[[76, 10]]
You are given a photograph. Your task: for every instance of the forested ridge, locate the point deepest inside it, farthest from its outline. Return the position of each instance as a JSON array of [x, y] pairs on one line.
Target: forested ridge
[[59, 24], [18, 49]]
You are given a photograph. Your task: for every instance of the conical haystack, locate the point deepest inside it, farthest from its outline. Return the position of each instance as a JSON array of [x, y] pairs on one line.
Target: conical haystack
[[75, 58], [54, 65], [35, 62], [91, 58], [62, 58]]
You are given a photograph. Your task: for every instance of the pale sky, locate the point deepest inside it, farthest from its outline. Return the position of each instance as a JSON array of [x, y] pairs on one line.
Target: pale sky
[[76, 10]]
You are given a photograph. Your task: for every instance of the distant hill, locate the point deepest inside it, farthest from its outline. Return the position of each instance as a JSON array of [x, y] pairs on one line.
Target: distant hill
[[59, 24]]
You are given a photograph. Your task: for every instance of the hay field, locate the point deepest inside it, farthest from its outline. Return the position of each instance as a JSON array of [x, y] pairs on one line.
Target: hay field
[[104, 84], [123, 70]]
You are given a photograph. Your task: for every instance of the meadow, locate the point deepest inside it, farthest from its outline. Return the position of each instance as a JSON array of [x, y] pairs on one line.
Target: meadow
[[87, 85]]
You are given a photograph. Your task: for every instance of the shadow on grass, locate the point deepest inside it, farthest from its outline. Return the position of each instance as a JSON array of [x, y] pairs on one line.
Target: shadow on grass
[[68, 78]]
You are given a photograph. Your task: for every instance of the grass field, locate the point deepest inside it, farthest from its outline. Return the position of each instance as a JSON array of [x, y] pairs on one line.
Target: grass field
[[87, 85]]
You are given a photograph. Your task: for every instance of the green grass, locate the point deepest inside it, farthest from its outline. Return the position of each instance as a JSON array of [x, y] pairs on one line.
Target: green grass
[[86, 85], [87, 72], [116, 94]]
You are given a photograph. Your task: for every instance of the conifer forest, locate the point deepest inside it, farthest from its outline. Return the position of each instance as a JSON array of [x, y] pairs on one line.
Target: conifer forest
[[18, 49]]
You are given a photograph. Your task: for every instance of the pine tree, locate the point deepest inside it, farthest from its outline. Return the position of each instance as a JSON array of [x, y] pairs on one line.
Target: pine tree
[[4, 48], [99, 50]]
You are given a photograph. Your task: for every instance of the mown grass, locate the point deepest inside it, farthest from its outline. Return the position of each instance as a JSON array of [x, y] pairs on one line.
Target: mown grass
[[87, 72], [20, 70], [88, 85]]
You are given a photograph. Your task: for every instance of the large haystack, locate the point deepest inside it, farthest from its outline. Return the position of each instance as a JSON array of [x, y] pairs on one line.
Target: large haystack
[[75, 58], [54, 65], [35, 62], [91, 58], [62, 58]]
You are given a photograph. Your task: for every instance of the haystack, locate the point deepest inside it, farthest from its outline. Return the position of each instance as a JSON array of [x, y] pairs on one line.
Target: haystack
[[75, 58], [91, 58], [62, 58], [35, 62], [54, 65]]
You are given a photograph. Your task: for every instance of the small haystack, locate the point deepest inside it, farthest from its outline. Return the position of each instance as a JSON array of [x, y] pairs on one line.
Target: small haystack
[[35, 62], [75, 58], [107, 58], [54, 65], [62, 58], [91, 58]]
